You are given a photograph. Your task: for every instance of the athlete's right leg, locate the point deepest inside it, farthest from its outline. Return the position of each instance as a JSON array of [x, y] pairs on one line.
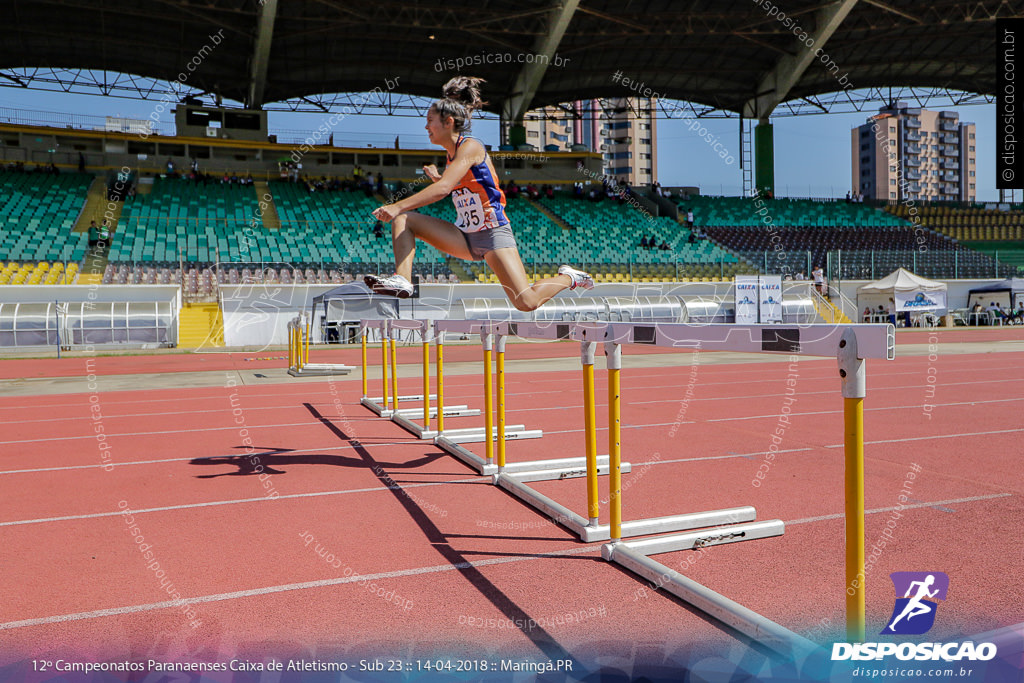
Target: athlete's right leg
[[438, 233]]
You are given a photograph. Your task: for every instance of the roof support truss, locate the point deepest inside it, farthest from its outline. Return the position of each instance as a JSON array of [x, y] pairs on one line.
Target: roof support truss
[[775, 86]]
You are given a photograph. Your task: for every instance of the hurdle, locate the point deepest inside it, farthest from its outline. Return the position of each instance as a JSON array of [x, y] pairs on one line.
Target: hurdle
[[850, 345], [591, 465], [451, 440], [404, 417], [388, 350], [298, 353]]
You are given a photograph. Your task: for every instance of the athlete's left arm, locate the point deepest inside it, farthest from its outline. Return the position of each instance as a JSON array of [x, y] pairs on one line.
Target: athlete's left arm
[[470, 153]]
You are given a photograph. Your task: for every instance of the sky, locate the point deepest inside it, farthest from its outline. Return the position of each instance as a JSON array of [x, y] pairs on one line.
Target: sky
[[812, 153]]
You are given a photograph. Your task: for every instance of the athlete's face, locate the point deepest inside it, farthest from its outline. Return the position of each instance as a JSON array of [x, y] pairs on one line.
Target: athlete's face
[[436, 129]]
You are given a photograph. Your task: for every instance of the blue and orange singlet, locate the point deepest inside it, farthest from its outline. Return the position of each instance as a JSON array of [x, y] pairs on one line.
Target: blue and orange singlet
[[478, 199]]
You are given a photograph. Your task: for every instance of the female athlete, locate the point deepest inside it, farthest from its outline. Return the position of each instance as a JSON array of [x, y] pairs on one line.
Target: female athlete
[[482, 231]]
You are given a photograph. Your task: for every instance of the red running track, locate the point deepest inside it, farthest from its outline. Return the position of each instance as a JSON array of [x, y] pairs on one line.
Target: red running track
[[282, 561]]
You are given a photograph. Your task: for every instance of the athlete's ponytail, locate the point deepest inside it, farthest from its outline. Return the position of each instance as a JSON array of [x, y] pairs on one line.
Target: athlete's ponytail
[[460, 98]]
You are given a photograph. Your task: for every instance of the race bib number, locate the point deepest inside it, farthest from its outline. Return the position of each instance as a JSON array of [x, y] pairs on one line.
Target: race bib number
[[471, 214]]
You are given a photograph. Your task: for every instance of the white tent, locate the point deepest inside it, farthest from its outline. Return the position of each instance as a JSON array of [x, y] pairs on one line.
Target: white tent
[[909, 292]]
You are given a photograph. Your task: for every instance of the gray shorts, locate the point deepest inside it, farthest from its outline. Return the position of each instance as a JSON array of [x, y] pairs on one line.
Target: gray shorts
[[483, 241]]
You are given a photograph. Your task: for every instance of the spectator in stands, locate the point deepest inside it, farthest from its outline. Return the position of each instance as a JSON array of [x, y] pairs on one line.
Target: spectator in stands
[[94, 234], [689, 218], [692, 238], [549, 192], [819, 279], [664, 246], [1018, 313], [866, 316], [81, 163], [378, 230], [380, 183], [644, 244], [996, 312]]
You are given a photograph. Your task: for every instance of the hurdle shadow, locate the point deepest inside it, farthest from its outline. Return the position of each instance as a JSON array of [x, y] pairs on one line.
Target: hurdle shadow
[[268, 457], [439, 541], [755, 647]]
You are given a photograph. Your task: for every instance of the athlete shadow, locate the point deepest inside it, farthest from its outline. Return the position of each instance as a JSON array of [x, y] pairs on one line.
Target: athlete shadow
[[263, 461], [439, 542]]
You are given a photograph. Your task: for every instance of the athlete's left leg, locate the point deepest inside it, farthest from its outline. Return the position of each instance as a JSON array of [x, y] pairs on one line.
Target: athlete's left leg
[[508, 266]]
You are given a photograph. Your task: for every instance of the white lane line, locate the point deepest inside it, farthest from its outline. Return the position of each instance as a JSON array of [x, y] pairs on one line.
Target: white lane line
[[311, 423], [306, 585], [932, 436], [840, 515], [561, 431], [213, 503], [310, 389], [881, 408], [297, 453], [234, 595], [530, 393]]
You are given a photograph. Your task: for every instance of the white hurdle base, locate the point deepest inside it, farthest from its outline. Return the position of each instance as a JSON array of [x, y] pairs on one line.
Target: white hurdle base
[[403, 418], [476, 434], [320, 370], [559, 468], [536, 470], [377, 405], [591, 533], [633, 556]]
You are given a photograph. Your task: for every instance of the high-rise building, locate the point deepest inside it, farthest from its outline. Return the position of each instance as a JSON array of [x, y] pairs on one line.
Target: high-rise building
[[906, 153], [626, 141], [629, 141]]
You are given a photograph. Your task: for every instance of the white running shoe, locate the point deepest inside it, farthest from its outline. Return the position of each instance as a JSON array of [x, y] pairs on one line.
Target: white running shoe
[[394, 285], [579, 278]]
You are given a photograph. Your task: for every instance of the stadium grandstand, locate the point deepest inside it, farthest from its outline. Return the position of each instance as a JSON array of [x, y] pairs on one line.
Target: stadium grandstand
[[203, 196]]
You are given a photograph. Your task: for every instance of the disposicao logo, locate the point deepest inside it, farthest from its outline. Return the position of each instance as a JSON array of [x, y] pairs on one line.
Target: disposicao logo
[[914, 613], [917, 596]]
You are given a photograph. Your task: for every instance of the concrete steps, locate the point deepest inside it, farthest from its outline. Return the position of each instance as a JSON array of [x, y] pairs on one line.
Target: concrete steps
[[200, 326]]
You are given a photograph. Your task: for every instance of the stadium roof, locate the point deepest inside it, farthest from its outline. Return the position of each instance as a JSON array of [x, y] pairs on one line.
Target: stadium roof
[[728, 55]]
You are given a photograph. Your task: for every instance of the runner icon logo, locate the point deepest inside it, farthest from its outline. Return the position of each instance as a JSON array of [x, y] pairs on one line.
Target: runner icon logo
[[914, 612]]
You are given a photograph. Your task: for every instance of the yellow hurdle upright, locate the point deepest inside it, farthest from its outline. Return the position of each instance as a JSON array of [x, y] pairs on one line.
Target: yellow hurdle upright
[[853, 414], [614, 353], [488, 400], [590, 431], [501, 402], [854, 389], [426, 379], [439, 341], [394, 372], [384, 367], [363, 357]]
